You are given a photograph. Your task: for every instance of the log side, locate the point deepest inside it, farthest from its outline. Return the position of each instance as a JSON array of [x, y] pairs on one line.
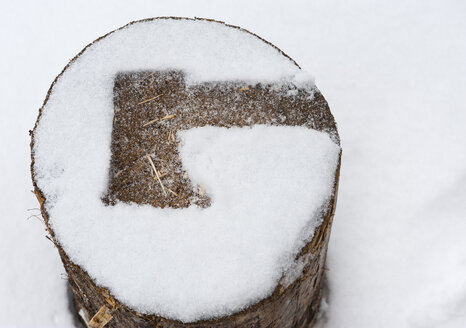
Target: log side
[[290, 306], [295, 306]]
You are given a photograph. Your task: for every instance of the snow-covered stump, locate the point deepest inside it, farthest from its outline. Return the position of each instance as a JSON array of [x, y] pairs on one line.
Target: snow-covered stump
[[187, 172]]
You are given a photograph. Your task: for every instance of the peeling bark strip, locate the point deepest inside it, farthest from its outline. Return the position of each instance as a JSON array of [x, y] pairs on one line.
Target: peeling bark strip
[[149, 108], [101, 318]]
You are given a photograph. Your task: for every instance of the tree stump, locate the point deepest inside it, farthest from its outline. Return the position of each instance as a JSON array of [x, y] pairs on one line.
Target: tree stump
[[147, 98]]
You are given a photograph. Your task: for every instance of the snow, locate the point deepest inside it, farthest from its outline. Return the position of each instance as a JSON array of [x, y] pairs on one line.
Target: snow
[[268, 185], [207, 263], [394, 75]]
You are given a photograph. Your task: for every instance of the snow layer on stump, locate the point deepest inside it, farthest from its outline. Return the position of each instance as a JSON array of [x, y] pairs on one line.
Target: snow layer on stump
[[268, 184]]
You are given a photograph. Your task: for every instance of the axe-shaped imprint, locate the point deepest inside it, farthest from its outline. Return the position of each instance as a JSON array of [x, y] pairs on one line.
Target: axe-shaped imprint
[[150, 107]]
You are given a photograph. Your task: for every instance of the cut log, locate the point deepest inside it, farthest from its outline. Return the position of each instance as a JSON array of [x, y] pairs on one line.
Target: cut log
[[150, 106]]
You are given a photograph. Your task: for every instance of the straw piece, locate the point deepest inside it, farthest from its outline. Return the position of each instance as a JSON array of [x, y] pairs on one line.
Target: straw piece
[[156, 174], [171, 191], [160, 181], [169, 136], [150, 99], [166, 117]]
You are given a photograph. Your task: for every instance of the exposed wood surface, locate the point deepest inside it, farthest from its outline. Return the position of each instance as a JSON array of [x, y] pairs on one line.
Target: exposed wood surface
[[150, 107]]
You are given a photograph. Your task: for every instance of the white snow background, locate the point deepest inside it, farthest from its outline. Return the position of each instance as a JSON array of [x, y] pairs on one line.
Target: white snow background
[[394, 74]]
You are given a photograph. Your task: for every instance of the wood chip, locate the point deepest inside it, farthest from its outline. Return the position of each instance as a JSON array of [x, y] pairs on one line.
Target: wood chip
[[101, 318], [243, 89]]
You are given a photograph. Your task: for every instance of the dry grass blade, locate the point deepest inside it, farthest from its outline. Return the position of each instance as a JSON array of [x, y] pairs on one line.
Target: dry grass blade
[[160, 181], [150, 99], [156, 174], [166, 117], [171, 191]]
